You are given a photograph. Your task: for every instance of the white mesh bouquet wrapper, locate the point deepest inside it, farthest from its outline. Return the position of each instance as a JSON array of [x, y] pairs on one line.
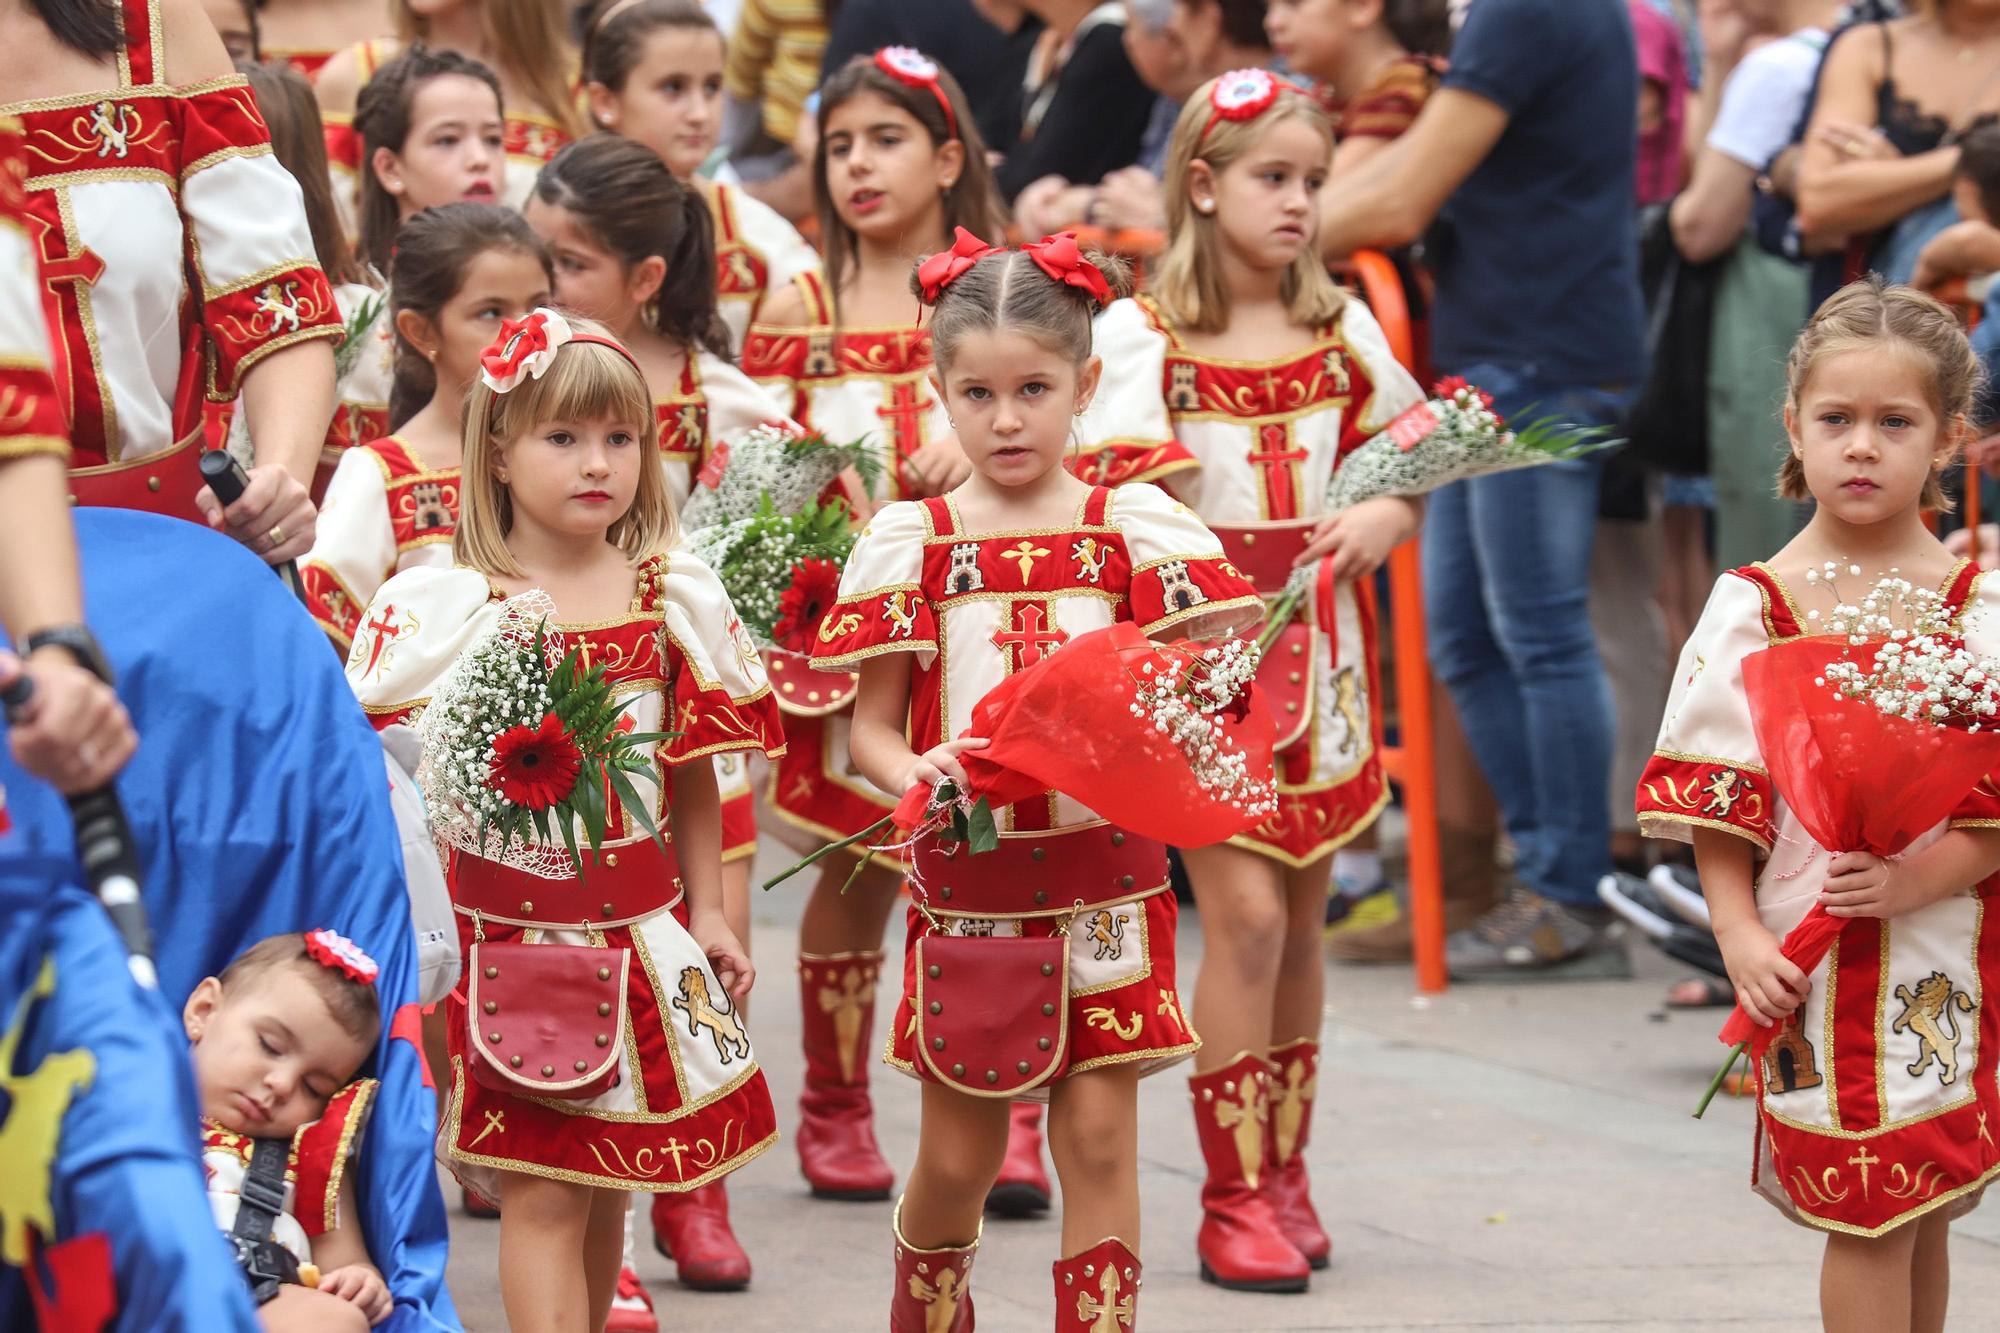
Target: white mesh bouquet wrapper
[[772, 460], [488, 690], [1451, 438]]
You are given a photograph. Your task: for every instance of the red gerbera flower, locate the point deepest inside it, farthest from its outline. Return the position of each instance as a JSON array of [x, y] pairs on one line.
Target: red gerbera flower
[[535, 767], [814, 589]]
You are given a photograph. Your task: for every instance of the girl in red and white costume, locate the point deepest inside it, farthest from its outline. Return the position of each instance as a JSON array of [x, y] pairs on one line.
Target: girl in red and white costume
[[1243, 379], [566, 495], [524, 42], [460, 272], [305, 34], [148, 164], [652, 72], [1878, 1101], [633, 250], [942, 600], [899, 165]]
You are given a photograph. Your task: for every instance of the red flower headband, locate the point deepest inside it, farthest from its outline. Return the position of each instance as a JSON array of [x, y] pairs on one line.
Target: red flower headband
[[335, 951], [1242, 94], [527, 347], [909, 66], [1059, 256]]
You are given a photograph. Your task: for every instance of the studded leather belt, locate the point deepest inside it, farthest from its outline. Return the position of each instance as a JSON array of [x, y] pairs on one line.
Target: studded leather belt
[[1263, 552], [162, 483], [623, 884], [1052, 873]]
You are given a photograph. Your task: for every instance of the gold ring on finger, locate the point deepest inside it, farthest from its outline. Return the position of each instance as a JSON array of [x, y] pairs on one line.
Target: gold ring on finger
[[277, 534]]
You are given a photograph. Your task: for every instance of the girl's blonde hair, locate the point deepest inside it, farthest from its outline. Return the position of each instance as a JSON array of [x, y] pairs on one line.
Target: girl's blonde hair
[[588, 382], [1188, 284], [1867, 314], [532, 44]]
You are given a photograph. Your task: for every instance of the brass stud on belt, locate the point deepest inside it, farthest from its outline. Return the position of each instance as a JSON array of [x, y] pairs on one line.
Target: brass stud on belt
[[492, 972], [603, 1009], [603, 1039], [1249, 539], [527, 909], [1298, 650], [937, 1006], [1048, 1010], [1042, 1042], [611, 860], [992, 1076], [945, 892], [1039, 853], [604, 974], [608, 909], [1117, 839], [493, 1006], [581, 1066], [548, 1071], [1292, 706], [493, 1037], [937, 1043], [153, 485], [1296, 677], [935, 971], [958, 1071], [1021, 1067], [812, 696], [515, 1062], [1124, 881], [1048, 969], [1041, 896]]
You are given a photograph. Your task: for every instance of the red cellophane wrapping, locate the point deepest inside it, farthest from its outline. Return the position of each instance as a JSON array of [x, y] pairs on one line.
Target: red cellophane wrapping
[[1066, 724], [1858, 779]]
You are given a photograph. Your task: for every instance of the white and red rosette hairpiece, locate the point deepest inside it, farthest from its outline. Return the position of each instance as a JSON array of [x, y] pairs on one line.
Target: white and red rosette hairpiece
[[331, 949], [907, 65], [525, 349], [1241, 94]]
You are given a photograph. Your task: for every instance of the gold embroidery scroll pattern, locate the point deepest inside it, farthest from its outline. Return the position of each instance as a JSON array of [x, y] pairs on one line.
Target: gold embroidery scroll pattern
[[1904, 1184]]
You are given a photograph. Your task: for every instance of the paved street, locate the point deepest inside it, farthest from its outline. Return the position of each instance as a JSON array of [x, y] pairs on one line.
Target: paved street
[[1501, 1158]]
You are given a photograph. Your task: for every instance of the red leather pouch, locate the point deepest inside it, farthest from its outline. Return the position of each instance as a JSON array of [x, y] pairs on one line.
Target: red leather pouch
[[992, 1011], [546, 1020]]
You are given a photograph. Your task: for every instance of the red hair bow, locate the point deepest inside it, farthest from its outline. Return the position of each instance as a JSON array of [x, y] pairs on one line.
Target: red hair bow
[[1061, 258], [524, 348], [330, 949], [945, 267]]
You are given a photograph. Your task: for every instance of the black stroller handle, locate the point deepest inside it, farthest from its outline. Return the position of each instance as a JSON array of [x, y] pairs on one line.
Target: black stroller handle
[[226, 477]]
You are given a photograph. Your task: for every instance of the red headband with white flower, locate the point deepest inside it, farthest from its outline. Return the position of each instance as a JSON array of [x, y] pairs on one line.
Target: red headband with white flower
[[527, 347], [1241, 94], [330, 949], [909, 66]]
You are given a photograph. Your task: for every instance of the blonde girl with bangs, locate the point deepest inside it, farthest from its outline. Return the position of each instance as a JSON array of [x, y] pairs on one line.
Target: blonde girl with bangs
[[1240, 383], [525, 42], [563, 501]]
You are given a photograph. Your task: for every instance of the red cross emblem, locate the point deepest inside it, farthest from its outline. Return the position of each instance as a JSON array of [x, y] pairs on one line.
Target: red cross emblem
[[1020, 645]]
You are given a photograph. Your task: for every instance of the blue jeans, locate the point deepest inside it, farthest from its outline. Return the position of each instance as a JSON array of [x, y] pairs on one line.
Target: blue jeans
[[1507, 602]]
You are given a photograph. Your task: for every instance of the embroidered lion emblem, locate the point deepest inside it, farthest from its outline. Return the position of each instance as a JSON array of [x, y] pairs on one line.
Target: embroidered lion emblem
[[1107, 930], [1723, 793], [1927, 1011], [702, 1012], [902, 616]]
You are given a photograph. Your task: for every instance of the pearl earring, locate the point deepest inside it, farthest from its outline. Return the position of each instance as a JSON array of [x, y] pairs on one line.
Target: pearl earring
[[1205, 206]]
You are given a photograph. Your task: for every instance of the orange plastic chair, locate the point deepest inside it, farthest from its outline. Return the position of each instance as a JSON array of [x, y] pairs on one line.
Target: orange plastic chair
[[1413, 764]]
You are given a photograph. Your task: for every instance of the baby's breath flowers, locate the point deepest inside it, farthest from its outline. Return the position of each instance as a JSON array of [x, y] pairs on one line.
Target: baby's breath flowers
[[1921, 669], [1184, 704]]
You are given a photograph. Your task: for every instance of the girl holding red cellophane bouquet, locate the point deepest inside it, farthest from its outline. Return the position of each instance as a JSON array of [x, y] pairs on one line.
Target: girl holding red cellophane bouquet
[[597, 1040], [1825, 749], [1040, 969]]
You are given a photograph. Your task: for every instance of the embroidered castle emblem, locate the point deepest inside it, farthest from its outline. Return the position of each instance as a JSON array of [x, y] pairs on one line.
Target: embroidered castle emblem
[[1789, 1064], [1927, 1011], [964, 574], [1182, 396], [819, 354], [428, 510], [1177, 590]]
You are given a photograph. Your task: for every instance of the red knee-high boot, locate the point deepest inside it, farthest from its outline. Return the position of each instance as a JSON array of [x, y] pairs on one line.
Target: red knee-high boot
[[693, 1230], [1098, 1289], [837, 1148], [1022, 1187], [1293, 1092], [1240, 1243], [933, 1287]]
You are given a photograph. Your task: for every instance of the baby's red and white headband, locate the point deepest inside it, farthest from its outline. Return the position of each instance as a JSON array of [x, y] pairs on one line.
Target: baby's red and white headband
[[527, 347], [907, 65], [334, 951]]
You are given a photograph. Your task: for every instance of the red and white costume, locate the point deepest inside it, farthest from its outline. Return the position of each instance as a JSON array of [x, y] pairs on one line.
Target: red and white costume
[[688, 1108], [847, 384], [1252, 447], [133, 192], [33, 420], [756, 252], [972, 610], [1877, 1102], [531, 139], [385, 511], [321, 1154]]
